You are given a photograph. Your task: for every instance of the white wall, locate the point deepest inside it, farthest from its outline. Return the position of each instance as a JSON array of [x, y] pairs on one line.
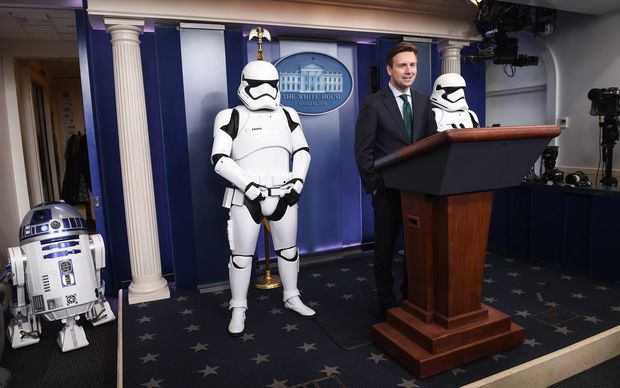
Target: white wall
[[13, 188], [14, 196], [588, 56], [521, 99]]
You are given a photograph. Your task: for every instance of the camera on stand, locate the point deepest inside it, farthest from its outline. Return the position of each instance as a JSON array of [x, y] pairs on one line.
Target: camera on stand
[[496, 19], [578, 179], [551, 176], [606, 104]]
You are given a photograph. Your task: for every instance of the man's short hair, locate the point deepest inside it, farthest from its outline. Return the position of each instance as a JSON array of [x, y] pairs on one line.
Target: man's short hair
[[399, 48]]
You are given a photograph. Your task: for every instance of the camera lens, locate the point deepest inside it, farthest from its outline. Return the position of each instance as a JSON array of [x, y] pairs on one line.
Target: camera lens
[[594, 94]]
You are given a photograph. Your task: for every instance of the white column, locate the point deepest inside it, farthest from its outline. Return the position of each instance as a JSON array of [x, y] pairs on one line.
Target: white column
[[450, 54], [147, 283]]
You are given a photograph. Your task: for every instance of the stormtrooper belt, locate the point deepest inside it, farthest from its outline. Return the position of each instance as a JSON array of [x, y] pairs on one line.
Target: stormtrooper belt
[[234, 196], [275, 191]]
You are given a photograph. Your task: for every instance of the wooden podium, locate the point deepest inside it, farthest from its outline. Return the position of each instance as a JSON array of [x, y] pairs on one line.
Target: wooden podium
[[447, 182]]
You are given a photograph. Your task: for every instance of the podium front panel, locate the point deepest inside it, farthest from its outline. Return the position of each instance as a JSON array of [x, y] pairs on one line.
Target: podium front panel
[[466, 167]]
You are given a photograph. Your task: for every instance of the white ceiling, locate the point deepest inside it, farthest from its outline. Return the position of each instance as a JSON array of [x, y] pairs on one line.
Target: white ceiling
[[54, 19], [590, 7], [37, 24]]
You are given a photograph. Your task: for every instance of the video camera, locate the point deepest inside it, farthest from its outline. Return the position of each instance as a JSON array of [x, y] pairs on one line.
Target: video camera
[[495, 19], [605, 102]]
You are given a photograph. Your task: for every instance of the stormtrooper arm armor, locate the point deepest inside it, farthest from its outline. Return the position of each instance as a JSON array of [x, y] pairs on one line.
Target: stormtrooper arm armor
[[439, 119], [474, 118], [301, 151], [224, 130]]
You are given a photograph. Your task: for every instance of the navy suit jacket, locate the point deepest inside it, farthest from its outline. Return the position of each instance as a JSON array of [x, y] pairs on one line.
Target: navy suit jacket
[[380, 130]]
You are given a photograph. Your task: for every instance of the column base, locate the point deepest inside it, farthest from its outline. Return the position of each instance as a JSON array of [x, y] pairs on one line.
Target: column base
[[143, 294]]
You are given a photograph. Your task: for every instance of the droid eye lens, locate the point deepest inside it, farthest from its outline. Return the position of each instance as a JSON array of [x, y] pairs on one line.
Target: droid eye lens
[[39, 215]]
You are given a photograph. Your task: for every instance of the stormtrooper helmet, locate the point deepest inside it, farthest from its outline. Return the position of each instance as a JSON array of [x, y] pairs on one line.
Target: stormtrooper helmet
[[449, 92], [259, 86]]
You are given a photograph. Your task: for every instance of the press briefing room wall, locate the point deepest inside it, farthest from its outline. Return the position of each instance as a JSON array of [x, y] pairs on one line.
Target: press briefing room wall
[[190, 73]]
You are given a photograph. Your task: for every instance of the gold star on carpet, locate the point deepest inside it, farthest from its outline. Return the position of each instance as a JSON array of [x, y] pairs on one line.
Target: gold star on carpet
[[192, 327], [208, 371], [307, 347], [247, 337], [329, 370], [289, 327], [592, 319], [147, 336], [144, 319], [149, 357], [260, 358], [152, 383], [523, 313], [408, 383], [278, 384], [198, 347], [531, 342], [376, 357], [564, 330]]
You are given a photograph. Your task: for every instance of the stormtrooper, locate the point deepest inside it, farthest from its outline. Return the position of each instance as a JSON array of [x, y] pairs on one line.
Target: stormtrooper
[[252, 149], [58, 266], [449, 105]]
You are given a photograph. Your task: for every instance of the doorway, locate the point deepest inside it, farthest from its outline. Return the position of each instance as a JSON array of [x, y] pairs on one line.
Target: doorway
[[53, 134]]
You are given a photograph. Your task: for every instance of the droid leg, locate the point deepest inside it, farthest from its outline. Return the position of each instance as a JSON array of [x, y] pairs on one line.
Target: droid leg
[[71, 336], [25, 327], [101, 312], [284, 235], [242, 235], [23, 330]]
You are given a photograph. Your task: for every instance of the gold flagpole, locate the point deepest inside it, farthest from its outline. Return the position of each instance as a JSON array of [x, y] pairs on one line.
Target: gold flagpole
[[267, 281]]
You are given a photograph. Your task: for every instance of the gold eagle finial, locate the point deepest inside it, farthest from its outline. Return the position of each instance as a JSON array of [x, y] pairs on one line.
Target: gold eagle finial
[[260, 33]]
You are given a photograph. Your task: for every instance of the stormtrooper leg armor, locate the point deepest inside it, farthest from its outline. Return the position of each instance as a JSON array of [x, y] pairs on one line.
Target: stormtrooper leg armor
[[242, 235], [284, 234]]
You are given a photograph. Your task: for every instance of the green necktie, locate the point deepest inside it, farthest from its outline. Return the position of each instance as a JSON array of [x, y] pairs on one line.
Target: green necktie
[[407, 115]]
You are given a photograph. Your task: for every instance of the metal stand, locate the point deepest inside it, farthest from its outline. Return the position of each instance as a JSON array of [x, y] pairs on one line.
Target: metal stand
[[609, 137], [267, 281]]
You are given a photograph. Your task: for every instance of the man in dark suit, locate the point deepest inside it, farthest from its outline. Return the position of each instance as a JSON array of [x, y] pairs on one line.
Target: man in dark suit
[[388, 120]]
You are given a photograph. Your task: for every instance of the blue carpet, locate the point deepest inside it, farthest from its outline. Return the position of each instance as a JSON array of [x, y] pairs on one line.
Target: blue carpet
[[183, 341]]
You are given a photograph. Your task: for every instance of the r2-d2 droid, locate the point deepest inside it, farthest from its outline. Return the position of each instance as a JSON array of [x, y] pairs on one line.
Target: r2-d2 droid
[[58, 266], [449, 104]]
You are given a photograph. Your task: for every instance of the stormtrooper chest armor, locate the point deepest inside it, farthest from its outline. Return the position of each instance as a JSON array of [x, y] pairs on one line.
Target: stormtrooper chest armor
[[260, 131], [458, 119]]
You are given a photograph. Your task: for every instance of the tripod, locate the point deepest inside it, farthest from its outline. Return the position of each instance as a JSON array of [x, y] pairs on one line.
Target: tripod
[[609, 137]]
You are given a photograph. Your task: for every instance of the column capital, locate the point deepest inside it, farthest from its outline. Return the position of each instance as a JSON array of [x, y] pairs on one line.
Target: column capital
[[443, 44], [450, 55], [112, 24]]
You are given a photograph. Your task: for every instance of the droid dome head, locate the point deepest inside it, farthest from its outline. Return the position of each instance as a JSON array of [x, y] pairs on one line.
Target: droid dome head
[[259, 86], [449, 92], [50, 220]]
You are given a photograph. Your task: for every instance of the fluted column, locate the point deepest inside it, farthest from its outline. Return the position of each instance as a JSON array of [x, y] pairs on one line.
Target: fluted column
[[147, 283], [450, 54]]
